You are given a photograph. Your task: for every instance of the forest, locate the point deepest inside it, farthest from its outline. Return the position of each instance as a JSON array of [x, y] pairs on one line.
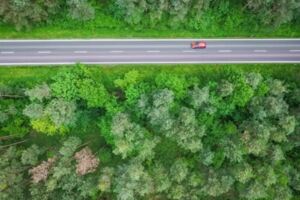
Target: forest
[[59, 18], [144, 133], [150, 132]]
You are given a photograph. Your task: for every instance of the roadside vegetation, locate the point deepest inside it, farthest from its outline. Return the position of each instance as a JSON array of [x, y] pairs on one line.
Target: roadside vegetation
[[156, 18], [150, 132]]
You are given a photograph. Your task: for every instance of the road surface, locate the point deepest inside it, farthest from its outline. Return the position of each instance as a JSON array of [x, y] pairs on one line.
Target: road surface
[[136, 51]]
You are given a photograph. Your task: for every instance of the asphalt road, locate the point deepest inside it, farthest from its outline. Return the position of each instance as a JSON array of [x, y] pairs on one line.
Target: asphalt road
[[114, 51]]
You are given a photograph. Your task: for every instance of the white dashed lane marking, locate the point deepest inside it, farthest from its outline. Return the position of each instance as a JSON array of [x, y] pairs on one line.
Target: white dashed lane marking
[[116, 51], [80, 51], [7, 52], [189, 51], [153, 51], [225, 51], [260, 51], [44, 52]]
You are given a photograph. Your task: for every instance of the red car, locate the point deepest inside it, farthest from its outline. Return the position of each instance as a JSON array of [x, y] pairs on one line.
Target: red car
[[198, 45]]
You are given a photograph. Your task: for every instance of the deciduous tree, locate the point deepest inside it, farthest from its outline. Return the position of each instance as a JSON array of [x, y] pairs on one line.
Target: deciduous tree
[[25, 13], [86, 161], [80, 10], [274, 12], [39, 92]]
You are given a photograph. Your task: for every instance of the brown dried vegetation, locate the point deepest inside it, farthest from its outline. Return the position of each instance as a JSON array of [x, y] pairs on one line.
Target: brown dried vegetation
[[86, 161], [40, 172]]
